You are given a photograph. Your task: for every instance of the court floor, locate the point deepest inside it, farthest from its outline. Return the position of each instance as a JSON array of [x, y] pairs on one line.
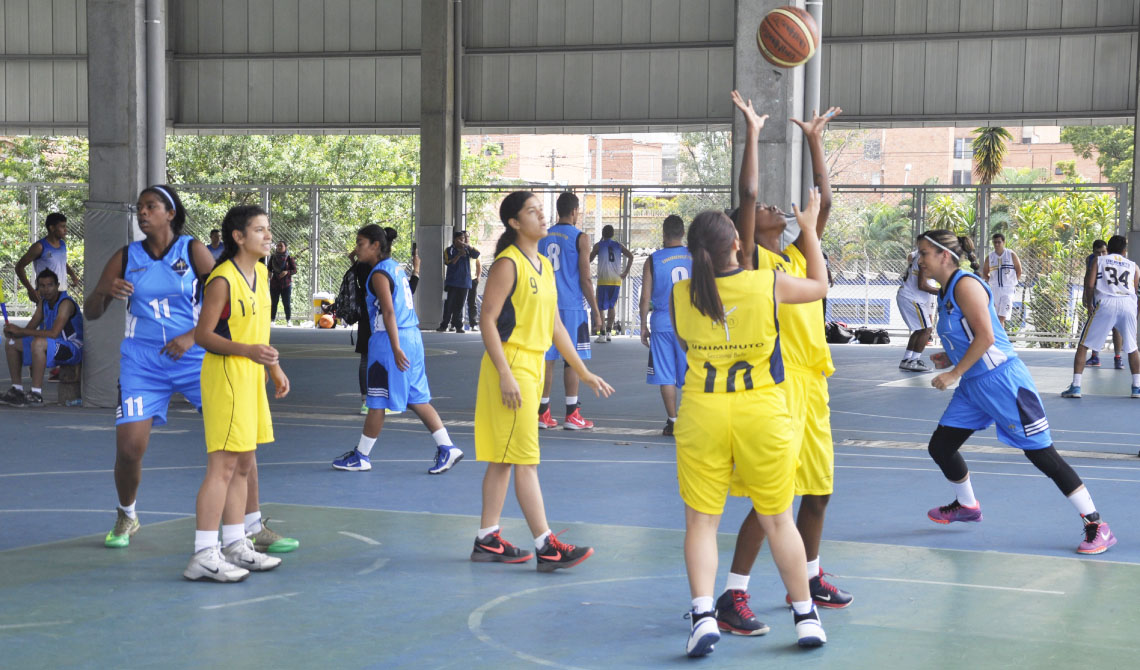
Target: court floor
[[382, 577]]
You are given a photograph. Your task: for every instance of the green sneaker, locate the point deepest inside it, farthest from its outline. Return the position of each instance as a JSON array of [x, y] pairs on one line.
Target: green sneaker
[[120, 535], [364, 408], [268, 541]]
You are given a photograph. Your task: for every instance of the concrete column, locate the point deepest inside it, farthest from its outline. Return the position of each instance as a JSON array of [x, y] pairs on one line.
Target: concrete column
[[776, 92], [436, 204], [1127, 222], [116, 112]]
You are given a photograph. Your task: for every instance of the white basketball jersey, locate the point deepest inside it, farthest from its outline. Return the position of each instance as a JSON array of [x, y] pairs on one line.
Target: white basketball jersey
[[1115, 275], [1003, 275], [910, 281]]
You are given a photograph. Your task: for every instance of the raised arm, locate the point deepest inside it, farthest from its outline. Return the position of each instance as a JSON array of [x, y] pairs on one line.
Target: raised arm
[[794, 290], [748, 186]]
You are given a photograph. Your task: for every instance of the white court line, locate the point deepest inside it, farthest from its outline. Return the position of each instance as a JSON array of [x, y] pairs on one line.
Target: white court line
[[17, 626], [366, 540], [957, 584], [94, 511], [380, 562], [251, 601], [911, 418]]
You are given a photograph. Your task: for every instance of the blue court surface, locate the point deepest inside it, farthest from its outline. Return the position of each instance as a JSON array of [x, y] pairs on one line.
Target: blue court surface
[[382, 577]]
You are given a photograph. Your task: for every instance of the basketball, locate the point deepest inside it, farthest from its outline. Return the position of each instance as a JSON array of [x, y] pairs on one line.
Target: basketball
[[326, 321], [787, 37]]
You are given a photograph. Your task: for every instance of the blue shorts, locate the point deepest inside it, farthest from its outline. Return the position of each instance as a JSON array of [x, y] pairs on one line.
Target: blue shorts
[[59, 352], [389, 387], [666, 359], [1006, 396], [607, 296], [577, 322], [147, 379]]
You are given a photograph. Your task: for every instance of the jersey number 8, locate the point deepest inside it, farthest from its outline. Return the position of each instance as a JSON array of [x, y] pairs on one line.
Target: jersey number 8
[[553, 252]]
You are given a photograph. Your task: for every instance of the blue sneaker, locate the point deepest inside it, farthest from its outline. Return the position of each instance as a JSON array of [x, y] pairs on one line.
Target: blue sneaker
[[1117, 363], [445, 459], [703, 635], [1072, 392], [1136, 391], [353, 461], [1093, 361]]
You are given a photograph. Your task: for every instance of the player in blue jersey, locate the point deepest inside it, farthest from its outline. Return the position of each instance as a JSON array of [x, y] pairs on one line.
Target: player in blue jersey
[[159, 279], [396, 377], [48, 253], [994, 386], [569, 252], [609, 253], [663, 268], [53, 336]]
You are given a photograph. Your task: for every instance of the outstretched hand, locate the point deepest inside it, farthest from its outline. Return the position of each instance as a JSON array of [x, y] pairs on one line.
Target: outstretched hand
[[754, 120], [807, 217], [815, 126]]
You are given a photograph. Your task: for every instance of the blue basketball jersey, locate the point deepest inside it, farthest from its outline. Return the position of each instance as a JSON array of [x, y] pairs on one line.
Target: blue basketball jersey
[[73, 330], [401, 297], [561, 246], [956, 333], [165, 301], [54, 259], [670, 265]]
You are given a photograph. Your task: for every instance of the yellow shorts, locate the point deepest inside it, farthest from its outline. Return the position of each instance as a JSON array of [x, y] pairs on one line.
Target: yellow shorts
[[807, 400], [235, 405], [504, 435], [747, 435]]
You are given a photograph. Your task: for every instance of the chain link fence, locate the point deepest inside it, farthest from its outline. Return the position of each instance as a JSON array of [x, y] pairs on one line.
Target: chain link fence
[[870, 232]]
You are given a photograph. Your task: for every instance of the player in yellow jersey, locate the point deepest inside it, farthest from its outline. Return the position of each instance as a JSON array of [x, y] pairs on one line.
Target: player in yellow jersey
[[807, 364], [518, 321], [233, 328]]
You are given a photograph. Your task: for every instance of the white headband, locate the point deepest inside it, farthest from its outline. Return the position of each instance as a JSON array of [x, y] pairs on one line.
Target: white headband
[[167, 195], [935, 243]]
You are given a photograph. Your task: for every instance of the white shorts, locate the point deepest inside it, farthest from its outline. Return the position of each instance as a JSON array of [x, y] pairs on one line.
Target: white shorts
[[1003, 303], [1118, 313], [918, 315]]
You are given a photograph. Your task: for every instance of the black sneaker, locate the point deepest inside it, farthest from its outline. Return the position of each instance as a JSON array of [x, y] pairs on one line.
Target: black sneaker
[[33, 399], [668, 429], [733, 615], [494, 549], [555, 555], [826, 594], [14, 397]]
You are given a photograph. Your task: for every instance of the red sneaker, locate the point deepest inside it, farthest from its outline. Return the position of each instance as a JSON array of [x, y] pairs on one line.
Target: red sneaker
[[546, 421], [576, 421]]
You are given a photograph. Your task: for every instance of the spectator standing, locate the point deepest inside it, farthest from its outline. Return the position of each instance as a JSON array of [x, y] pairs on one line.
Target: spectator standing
[[282, 267], [215, 246], [48, 253], [457, 281]]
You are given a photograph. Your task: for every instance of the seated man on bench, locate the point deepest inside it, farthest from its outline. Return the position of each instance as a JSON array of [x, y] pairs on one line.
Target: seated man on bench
[[53, 336]]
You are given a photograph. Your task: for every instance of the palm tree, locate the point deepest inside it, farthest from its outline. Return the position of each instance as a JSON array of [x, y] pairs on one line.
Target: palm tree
[[989, 153]]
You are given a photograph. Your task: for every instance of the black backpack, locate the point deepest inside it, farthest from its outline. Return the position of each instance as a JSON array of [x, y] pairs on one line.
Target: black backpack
[[868, 336], [838, 333], [347, 304]]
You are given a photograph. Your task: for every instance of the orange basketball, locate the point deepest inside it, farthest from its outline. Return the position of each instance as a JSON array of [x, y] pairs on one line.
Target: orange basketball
[[327, 321], [787, 37]]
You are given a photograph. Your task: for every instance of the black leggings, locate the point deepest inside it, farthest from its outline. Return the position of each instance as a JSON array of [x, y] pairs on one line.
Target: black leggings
[[946, 441], [363, 374]]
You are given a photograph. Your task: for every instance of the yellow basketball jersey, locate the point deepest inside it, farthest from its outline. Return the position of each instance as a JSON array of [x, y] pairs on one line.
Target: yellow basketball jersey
[[803, 342], [740, 354], [247, 318], [527, 319]]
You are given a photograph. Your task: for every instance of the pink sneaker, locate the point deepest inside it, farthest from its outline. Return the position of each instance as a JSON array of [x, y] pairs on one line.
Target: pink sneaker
[[1098, 538], [576, 421], [955, 511]]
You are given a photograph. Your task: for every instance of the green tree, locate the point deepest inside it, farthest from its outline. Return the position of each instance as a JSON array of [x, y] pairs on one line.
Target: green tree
[[989, 148], [1113, 146], [704, 158]]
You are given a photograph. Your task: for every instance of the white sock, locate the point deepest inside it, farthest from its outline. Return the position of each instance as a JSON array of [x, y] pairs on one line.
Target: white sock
[[204, 539], [813, 568], [364, 446], [964, 492], [129, 510], [1076, 379], [544, 401], [571, 400], [1082, 501], [1136, 380], [441, 438], [672, 419], [910, 355], [253, 523], [484, 532], [801, 607], [18, 387], [736, 582], [232, 533], [702, 604], [540, 541], [36, 390]]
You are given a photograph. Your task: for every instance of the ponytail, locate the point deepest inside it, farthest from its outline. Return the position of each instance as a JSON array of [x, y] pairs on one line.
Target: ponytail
[[509, 209], [968, 251], [710, 237], [958, 246]]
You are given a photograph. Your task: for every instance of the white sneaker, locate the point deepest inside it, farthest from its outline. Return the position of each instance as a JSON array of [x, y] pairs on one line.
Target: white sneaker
[[919, 365], [601, 338], [210, 564], [809, 629], [904, 364], [703, 635], [243, 555]]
